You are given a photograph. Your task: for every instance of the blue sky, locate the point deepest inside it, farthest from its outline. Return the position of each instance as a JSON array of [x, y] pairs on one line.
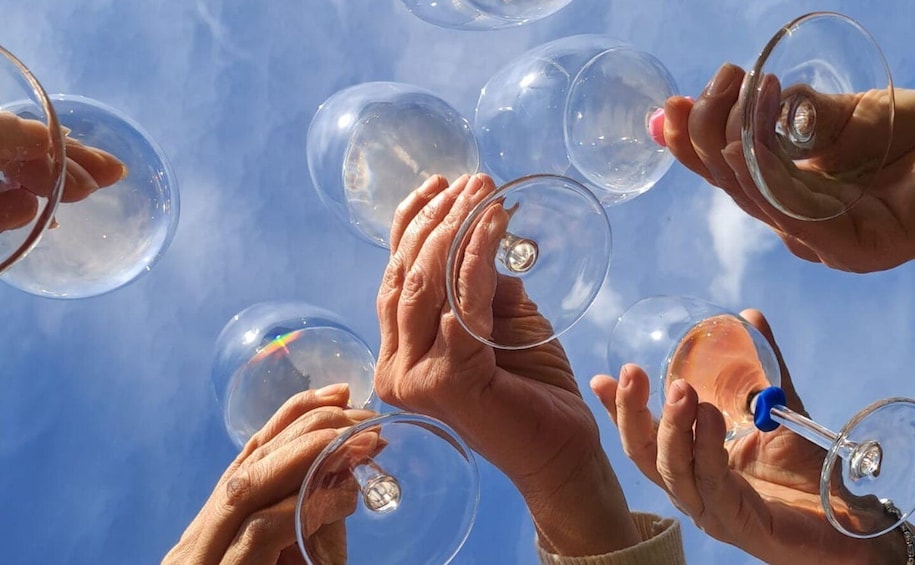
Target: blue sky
[[110, 438]]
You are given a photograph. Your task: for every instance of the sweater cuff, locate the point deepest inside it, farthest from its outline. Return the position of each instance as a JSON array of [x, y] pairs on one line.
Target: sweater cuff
[[661, 543]]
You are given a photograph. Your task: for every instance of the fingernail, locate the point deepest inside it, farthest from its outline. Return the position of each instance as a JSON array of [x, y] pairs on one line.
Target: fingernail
[[359, 414], [474, 184], [656, 127], [625, 380], [331, 391], [675, 392], [722, 80]]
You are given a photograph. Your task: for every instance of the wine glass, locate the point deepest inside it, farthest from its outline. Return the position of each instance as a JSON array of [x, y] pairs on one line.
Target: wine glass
[[721, 355], [73, 237], [795, 109], [866, 485], [483, 14], [579, 106], [401, 488], [371, 144]]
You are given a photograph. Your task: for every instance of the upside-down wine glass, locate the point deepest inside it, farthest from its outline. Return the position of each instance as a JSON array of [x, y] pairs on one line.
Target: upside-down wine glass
[[580, 107], [403, 487], [865, 483], [483, 14], [721, 355], [371, 144], [88, 201], [803, 151], [794, 122]]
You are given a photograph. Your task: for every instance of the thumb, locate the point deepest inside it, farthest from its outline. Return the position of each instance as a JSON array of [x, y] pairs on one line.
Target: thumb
[[605, 387]]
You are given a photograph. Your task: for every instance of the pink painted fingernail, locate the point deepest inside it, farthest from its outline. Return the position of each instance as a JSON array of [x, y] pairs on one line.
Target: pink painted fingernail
[[656, 127]]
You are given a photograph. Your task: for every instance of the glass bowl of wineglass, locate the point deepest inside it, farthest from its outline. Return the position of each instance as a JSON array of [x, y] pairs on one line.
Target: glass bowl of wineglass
[[721, 355], [483, 14], [817, 118], [580, 107], [92, 206], [406, 485], [372, 144]]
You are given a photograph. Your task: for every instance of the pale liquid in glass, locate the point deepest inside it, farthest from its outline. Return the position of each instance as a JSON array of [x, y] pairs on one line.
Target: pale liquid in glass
[[719, 359]]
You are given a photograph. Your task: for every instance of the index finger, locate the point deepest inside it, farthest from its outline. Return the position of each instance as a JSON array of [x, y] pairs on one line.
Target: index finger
[[21, 138], [411, 205]]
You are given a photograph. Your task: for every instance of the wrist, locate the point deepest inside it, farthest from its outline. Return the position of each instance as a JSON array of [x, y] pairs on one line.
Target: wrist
[[586, 514]]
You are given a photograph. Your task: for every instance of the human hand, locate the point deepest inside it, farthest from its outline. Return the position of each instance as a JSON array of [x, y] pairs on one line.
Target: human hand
[[759, 492], [28, 169], [877, 233], [249, 517], [521, 410]]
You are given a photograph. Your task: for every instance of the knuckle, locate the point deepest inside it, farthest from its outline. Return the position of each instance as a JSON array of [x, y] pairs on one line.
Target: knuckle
[[393, 278], [320, 418], [239, 489], [415, 284], [260, 526]]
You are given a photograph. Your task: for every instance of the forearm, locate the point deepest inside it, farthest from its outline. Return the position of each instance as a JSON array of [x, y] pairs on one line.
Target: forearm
[[586, 515]]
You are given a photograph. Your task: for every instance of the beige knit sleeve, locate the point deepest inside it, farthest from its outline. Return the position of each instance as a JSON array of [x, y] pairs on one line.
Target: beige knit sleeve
[[661, 544]]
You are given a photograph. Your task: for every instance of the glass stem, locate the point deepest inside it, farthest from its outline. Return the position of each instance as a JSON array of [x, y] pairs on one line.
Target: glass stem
[[804, 427], [380, 491], [517, 254]]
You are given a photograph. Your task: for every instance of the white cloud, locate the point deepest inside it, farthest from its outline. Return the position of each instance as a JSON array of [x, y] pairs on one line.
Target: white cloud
[[737, 239]]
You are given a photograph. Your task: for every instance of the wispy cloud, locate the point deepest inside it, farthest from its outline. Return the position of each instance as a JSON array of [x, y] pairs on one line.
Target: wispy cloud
[[737, 240]]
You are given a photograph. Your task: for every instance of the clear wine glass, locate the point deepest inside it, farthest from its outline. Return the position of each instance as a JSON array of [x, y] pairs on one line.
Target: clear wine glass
[[721, 355], [579, 106], [795, 115], [370, 145], [483, 14], [866, 485], [398, 488], [88, 203]]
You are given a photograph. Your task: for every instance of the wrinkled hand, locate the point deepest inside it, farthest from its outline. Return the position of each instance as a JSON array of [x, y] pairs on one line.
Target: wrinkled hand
[[27, 170], [522, 410], [877, 233], [249, 517], [759, 492]]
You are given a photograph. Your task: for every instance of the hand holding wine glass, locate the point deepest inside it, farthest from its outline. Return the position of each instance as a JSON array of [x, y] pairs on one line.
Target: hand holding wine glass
[[814, 141], [248, 518], [875, 234], [521, 409], [759, 492], [28, 171]]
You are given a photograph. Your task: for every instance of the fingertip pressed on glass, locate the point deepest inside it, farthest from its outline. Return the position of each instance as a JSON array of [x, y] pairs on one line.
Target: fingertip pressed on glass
[[578, 107], [271, 351], [483, 14], [803, 155], [371, 144], [721, 355]]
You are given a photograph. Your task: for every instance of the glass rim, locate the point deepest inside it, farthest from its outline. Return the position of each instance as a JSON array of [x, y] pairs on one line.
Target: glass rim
[[59, 148]]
